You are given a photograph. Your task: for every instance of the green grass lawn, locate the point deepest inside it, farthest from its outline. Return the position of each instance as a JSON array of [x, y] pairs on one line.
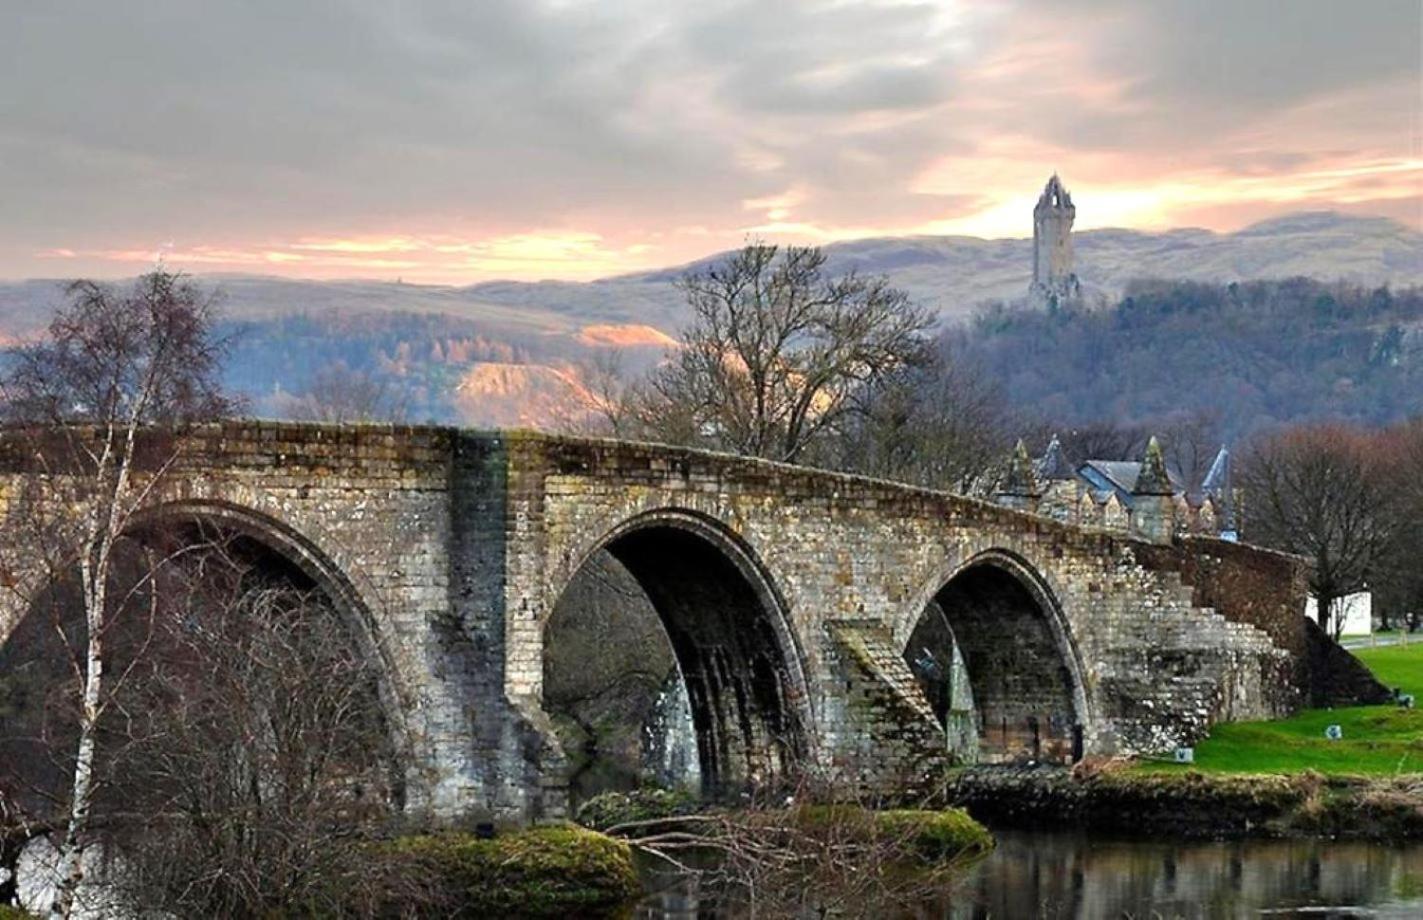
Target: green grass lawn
[[1377, 739], [1397, 665]]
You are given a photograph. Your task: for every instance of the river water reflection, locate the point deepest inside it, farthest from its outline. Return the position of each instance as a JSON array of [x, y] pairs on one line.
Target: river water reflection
[[1055, 875]]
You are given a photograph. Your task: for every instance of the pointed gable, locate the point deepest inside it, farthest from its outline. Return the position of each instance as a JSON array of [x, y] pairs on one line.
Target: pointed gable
[[1053, 464], [1153, 478], [1115, 514], [1019, 479]]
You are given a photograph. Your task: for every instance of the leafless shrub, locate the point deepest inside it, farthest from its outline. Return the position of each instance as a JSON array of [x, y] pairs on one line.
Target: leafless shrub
[[804, 855], [938, 424], [1325, 492], [339, 394], [242, 760]]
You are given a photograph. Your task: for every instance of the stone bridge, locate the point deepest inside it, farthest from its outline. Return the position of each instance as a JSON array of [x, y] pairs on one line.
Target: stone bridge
[[790, 597]]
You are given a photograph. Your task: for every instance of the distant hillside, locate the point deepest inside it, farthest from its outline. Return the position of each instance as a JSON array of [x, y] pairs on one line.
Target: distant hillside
[[1251, 355], [443, 368], [519, 395], [957, 274], [954, 274], [428, 339]]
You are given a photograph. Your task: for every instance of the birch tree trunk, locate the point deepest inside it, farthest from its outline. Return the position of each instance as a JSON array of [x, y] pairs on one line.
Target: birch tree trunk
[[115, 365]]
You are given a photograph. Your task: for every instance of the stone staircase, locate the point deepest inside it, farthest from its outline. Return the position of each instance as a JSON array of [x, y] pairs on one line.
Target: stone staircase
[[889, 727], [1174, 668], [1184, 667]]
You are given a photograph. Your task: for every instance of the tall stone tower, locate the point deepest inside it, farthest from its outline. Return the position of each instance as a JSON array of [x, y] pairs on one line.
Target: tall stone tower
[[1053, 277]]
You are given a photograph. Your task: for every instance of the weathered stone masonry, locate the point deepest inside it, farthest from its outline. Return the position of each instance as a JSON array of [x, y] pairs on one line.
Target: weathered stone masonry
[[789, 596]]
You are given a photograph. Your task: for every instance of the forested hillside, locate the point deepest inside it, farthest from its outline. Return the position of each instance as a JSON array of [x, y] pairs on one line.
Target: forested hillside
[[430, 367], [1251, 354], [420, 356]]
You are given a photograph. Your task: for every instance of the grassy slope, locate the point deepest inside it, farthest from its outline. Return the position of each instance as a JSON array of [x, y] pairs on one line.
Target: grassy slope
[[1397, 666], [1377, 739]]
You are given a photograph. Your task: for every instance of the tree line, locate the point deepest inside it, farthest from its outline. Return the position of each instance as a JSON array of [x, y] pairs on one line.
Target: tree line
[[1256, 354], [1350, 500]]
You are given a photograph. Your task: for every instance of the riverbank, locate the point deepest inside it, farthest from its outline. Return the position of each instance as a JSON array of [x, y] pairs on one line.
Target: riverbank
[[1193, 805], [928, 837], [1286, 778], [556, 870]]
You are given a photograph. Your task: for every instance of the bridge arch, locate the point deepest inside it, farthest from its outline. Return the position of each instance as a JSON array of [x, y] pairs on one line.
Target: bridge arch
[[997, 615], [728, 625], [249, 542]]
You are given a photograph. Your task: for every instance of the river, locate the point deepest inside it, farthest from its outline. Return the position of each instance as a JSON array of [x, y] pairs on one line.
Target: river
[[1063, 875]]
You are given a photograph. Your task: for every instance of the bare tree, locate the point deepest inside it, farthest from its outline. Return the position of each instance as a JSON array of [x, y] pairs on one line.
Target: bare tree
[[1323, 492], [941, 425], [258, 763], [339, 394], [244, 759], [1399, 598], [777, 351], [605, 402], [97, 405], [1103, 441], [1190, 442]]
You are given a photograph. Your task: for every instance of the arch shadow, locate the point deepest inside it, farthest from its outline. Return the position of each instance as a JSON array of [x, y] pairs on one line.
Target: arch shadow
[[730, 632], [997, 615]]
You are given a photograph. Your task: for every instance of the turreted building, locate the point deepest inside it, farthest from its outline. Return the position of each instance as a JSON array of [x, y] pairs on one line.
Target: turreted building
[[1054, 277], [1144, 497]]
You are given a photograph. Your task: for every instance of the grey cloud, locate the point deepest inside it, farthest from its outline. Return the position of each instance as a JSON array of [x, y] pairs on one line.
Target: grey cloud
[[243, 121], [372, 108], [1252, 53], [1240, 55], [816, 58], [1195, 71]]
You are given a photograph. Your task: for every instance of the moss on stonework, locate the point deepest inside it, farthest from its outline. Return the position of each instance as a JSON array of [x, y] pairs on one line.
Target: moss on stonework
[[557, 870], [929, 836]]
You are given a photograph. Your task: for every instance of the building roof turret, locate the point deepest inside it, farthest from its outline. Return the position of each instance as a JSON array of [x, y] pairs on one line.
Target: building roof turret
[[1218, 476], [1019, 478], [1053, 463], [1055, 196], [1153, 478], [1217, 486]]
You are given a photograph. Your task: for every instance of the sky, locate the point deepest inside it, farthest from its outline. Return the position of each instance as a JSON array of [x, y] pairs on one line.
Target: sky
[[460, 141]]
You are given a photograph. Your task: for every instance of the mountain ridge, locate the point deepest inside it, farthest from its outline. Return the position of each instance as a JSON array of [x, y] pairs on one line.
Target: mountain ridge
[[951, 274], [452, 348]]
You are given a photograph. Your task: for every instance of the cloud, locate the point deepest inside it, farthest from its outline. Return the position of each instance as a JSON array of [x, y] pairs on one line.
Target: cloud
[[457, 141]]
